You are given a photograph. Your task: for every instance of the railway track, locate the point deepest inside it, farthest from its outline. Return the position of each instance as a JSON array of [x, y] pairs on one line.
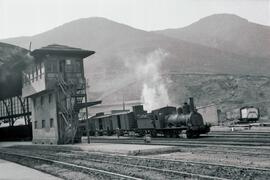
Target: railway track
[[169, 169], [240, 134], [106, 166], [187, 142], [209, 169], [93, 172], [241, 152], [248, 148], [67, 161], [220, 138], [237, 136]]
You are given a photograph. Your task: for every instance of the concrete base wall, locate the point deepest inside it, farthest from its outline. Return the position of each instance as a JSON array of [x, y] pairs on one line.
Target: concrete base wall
[[43, 137], [44, 110]]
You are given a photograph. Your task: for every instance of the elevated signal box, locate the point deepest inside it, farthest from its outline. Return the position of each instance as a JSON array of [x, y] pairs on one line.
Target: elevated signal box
[[56, 86]]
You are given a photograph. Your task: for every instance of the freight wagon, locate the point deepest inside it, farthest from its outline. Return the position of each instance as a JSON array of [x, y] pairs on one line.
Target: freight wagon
[[168, 121]]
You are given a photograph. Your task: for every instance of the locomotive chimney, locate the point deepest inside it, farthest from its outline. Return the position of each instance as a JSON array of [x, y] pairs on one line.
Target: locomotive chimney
[[191, 104]]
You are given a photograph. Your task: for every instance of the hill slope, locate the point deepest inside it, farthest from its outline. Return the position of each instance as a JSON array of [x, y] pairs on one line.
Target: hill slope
[[130, 61], [117, 44], [226, 32]]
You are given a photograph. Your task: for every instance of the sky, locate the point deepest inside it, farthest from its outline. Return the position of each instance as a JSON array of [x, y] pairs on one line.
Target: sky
[[30, 17]]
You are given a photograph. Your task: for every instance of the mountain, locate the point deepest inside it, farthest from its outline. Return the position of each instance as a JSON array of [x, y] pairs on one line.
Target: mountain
[[131, 62], [117, 45], [226, 32]]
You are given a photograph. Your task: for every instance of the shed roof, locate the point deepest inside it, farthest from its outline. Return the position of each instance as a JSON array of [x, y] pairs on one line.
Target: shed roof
[[111, 115], [62, 49], [164, 108]]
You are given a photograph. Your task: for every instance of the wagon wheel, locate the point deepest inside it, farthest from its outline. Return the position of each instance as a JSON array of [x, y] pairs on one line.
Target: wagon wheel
[[189, 134], [153, 133], [166, 134]]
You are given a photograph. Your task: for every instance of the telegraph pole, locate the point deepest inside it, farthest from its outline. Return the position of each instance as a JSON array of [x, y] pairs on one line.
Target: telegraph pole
[[86, 114]]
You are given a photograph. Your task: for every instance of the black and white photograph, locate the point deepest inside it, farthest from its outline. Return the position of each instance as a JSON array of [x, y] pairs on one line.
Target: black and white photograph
[[134, 89]]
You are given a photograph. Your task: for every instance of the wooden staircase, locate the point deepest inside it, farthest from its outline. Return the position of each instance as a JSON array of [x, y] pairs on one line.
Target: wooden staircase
[[70, 95]]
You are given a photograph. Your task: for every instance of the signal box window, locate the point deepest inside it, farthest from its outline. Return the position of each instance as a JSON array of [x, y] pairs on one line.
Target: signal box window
[[43, 124], [68, 65], [50, 98], [51, 123], [68, 61], [41, 100], [35, 125], [34, 101]]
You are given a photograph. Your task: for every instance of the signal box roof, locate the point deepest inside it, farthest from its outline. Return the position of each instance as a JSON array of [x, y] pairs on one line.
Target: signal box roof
[[61, 50]]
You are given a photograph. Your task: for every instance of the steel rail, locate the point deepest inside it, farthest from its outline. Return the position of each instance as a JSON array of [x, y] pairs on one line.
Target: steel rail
[[192, 175], [216, 141], [184, 161], [186, 174], [73, 165], [181, 173], [235, 152]]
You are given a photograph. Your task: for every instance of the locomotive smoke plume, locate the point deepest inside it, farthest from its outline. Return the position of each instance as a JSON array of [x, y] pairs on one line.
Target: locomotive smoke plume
[[154, 92]]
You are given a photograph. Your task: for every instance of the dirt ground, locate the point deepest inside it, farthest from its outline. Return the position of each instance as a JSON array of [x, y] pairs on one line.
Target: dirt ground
[[18, 172], [226, 157]]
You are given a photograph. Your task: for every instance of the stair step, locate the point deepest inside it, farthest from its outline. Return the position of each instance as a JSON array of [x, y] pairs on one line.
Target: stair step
[[78, 95]]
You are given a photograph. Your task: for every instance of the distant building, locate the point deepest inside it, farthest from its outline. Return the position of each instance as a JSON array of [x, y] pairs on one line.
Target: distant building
[[221, 117], [55, 83], [210, 114]]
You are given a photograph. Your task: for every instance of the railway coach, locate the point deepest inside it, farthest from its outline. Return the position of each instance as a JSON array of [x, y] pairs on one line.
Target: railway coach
[[249, 114]]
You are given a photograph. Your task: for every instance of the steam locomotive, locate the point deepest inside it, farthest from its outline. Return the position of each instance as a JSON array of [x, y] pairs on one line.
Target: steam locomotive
[[168, 121]]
